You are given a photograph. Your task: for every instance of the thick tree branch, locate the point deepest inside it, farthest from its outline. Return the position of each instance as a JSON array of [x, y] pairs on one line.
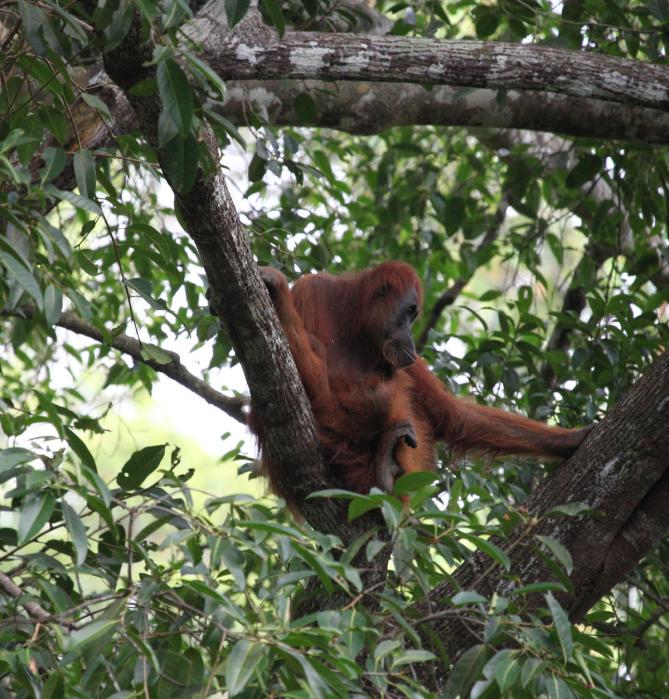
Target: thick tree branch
[[283, 416], [500, 66], [621, 472], [365, 107], [238, 295], [371, 104]]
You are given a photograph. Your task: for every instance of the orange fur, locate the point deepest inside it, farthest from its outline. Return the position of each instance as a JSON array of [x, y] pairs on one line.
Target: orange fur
[[359, 403]]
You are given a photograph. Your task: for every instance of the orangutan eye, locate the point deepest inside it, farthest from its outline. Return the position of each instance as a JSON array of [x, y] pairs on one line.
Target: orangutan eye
[[412, 311]]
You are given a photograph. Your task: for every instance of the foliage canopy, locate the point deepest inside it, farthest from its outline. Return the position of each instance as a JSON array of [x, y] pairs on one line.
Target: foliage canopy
[[554, 258]]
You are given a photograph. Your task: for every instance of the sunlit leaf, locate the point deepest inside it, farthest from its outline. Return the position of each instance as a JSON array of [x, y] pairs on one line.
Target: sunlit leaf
[[562, 626], [23, 277], [140, 466], [77, 531], [34, 515], [240, 665]]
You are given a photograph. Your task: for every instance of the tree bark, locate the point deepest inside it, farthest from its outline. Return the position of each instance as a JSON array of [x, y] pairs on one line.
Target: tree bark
[[238, 296], [500, 66]]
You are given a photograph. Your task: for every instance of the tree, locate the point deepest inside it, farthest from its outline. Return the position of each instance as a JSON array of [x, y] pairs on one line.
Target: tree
[[549, 252]]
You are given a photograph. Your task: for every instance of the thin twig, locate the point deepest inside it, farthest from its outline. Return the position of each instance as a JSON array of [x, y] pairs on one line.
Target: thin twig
[[34, 609], [234, 406]]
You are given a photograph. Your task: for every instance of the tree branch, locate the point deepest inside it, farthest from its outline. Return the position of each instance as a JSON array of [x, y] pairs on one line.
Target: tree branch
[[34, 609], [621, 473], [234, 406], [367, 105], [282, 412], [501, 66], [239, 297]]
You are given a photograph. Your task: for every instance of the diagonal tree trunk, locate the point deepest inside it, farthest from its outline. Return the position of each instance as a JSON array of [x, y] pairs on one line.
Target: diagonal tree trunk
[[621, 472]]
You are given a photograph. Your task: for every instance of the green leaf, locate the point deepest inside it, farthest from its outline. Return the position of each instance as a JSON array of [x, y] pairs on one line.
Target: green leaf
[[275, 14], [31, 126], [240, 665], [56, 122], [96, 103], [539, 587], [78, 201], [507, 670], [235, 10], [54, 162], [559, 551], [411, 482], [34, 515], [84, 172], [203, 72], [89, 633], [14, 456], [56, 236], [77, 531], [562, 626], [229, 129], [385, 648], [154, 353], [467, 597], [53, 304], [23, 277], [92, 477], [179, 159], [144, 289], [115, 30], [454, 214], [486, 20], [54, 687], [140, 466], [360, 505], [34, 21], [586, 169], [530, 669], [572, 509], [557, 688], [490, 549], [316, 675], [86, 263], [80, 449], [466, 671], [273, 527], [305, 108], [413, 656], [176, 97], [257, 168]]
